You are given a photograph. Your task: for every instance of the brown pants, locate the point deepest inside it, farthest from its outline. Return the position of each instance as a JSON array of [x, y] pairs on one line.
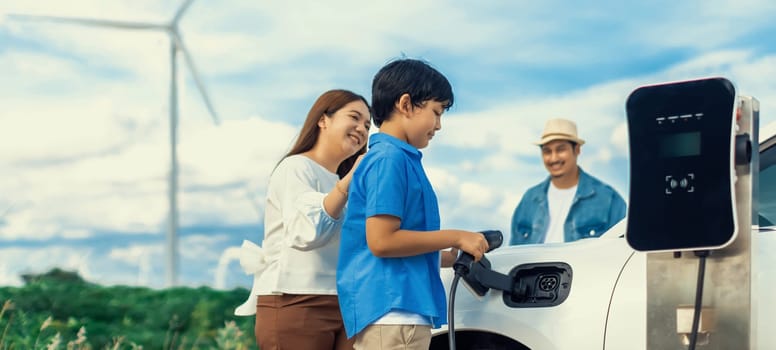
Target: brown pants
[[300, 322]]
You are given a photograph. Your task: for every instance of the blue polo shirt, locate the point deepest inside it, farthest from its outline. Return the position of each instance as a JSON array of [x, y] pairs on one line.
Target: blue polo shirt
[[389, 181]]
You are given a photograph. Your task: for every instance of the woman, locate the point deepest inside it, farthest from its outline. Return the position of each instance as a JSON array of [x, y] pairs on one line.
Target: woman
[[297, 304]]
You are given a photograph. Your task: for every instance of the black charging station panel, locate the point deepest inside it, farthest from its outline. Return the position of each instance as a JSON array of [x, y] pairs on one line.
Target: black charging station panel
[[682, 172]]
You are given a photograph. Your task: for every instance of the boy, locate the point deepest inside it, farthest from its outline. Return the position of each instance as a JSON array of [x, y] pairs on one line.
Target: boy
[[388, 282]]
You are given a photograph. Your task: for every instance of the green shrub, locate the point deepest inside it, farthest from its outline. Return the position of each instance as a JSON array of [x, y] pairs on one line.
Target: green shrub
[[59, 310]]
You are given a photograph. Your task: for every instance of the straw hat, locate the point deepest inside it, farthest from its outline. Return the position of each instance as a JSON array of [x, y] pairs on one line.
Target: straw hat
[[560, 129]]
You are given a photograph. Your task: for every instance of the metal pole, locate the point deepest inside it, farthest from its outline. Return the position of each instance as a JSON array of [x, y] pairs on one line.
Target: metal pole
[[172, 230]]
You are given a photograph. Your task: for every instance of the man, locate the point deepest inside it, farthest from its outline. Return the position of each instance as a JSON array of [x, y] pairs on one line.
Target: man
[[570, 204]]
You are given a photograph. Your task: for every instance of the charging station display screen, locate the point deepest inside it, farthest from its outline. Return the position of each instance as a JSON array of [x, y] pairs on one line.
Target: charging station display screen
[[681, 188], [683, 144]]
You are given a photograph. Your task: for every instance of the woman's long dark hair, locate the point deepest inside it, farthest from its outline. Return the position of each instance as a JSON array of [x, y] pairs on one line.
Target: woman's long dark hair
[[327, 104]]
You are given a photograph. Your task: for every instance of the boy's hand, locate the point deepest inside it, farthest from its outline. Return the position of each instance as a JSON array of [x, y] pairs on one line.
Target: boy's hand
[[473, 243]]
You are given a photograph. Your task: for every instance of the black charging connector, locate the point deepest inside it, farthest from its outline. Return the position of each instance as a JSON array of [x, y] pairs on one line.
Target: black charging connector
[[463, 266], [481, 278], [464, 263]]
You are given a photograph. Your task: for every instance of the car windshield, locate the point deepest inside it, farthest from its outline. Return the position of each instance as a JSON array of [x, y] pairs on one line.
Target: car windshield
[[767, 191]]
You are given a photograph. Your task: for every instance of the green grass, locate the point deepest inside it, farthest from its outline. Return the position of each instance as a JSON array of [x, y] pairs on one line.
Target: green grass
[[59, 310]]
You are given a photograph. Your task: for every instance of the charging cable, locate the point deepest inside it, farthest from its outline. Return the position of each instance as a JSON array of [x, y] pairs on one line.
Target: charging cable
[[450, 310], [696, 317]]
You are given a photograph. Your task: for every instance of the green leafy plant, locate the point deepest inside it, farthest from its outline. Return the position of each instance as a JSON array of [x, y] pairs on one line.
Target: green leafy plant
[[231, 337], [59, 310]]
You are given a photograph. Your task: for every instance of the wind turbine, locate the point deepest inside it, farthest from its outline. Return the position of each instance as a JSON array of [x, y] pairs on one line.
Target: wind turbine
[[176, 46]]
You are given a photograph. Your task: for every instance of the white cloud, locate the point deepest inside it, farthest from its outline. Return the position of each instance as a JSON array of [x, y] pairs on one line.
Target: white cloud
[[236, 150], [17, 261], [513, 127], [126, 190], [441, 178], [501, 162], [602, 155], [707, 64], [55, 132], [272, 33], [141, 259], [725, 22], [468, 204], [475, 194], [120, 10], [29, 68], [368, 34], [147, 262], [133, 254], [199, 247], [619, 139], [9, 277]]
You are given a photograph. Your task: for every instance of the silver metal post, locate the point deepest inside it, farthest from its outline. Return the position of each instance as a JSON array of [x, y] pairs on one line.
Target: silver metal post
[[172, 230]]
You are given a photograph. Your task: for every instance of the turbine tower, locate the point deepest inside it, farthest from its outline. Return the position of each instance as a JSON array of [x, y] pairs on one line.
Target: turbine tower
[[176, 46]]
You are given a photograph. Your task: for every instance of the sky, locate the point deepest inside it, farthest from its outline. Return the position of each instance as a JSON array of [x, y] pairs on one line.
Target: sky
[[84, 114]]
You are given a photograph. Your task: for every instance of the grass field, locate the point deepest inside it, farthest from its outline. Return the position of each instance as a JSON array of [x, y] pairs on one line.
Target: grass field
[[59, 310]]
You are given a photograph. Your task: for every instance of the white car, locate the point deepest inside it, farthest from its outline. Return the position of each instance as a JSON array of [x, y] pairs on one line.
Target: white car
[[591, 294]]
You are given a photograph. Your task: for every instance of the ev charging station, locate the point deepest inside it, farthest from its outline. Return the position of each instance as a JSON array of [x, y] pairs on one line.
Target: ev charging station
[[693, 145]]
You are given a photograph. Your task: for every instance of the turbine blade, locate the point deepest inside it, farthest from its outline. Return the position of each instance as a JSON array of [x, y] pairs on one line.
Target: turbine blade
[[195, 74], [181, 10], [91, 22], [7, 210]]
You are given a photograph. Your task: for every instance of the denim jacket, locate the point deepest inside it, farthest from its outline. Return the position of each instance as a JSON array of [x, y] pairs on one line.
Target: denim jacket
[[596, 208]]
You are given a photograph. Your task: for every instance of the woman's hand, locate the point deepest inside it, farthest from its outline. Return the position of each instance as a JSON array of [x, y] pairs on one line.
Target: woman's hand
[[349, 176]]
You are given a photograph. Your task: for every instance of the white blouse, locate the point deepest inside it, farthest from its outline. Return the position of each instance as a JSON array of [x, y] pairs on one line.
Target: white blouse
[[301, 241]]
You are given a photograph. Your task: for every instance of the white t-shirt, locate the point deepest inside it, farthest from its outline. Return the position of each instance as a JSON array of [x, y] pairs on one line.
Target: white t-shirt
[[399, 317], [301, 240], [559, 202]]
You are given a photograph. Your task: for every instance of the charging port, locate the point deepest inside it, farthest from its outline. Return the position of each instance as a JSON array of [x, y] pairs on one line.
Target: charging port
[[539, 285], [548, 283]]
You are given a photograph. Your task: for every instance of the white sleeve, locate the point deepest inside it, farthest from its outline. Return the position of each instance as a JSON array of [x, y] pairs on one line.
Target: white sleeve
[[306, 223]]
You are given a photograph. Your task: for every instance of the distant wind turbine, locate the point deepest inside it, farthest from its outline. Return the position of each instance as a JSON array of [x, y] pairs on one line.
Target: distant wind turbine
[[7, 210], [176, 46]]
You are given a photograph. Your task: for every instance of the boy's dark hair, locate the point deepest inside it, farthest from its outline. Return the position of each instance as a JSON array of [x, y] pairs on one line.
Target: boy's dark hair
[[407, 76]]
